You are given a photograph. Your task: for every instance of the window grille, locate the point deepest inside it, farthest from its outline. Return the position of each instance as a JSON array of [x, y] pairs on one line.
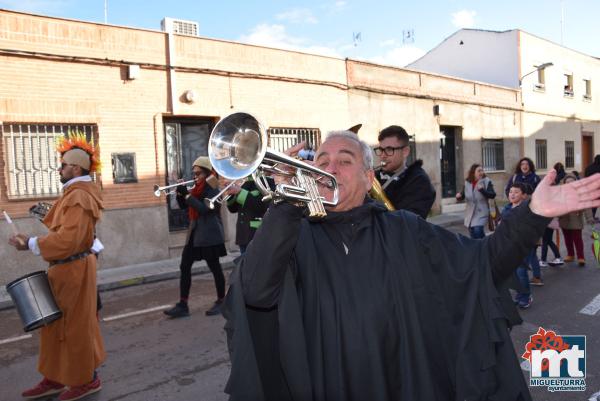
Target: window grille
[[31, 158], [492, 154], [281, 139], [541, 154], [569, 154]]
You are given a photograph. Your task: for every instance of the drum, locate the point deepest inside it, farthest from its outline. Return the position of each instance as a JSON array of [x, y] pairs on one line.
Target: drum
[[34, 300]]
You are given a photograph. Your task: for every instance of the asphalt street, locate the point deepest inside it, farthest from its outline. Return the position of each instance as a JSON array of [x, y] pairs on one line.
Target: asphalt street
[[151, 357]]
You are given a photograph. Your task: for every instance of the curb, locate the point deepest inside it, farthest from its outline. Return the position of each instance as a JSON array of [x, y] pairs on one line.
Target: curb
[[172, 272], [7, 303]]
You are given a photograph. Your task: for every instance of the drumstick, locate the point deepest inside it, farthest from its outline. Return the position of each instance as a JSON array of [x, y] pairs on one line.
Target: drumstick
[[13, 227]]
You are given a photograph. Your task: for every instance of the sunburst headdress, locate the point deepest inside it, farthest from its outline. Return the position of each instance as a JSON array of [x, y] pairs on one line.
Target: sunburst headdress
[[75, 149]]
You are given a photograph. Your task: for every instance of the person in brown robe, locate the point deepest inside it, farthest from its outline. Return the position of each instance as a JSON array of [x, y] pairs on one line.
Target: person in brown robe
[[71, 348]]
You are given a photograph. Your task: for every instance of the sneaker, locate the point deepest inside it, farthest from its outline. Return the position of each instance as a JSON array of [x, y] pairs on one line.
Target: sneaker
[[581, 262], [525, 303], [556, 262], [179, 310], [77, 392], [536, 281], [215, 309], [43, 389], [569, 259], [543, 263]]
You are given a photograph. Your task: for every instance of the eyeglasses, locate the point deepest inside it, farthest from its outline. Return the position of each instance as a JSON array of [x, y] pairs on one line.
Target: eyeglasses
[[197, 173], [388, 150], [63, 165]]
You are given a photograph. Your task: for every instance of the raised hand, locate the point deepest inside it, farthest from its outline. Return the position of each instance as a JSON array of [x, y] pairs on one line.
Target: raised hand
[[556, 200]]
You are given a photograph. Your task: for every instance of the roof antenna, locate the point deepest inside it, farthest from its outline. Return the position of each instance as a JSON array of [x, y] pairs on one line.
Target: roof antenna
[[408, 36]]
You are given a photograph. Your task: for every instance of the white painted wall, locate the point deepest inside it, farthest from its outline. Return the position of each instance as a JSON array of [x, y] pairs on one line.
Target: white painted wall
[[485, 56], [536, 51]]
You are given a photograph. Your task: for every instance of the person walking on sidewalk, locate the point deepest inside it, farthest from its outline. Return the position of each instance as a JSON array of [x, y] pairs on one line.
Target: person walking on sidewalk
[[71, 348], [477, 190], [205, 239], [547, 241], [572, 225]]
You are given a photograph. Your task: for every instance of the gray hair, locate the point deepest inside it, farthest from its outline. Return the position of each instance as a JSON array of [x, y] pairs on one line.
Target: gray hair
[[367, 153]]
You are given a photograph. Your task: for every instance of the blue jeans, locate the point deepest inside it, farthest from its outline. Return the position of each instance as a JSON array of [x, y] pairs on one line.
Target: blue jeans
[[243, 249], [523, 278], [532, 260], [476, 232]]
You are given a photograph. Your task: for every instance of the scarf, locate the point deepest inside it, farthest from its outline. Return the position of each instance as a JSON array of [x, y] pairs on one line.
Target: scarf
[[196, 192]]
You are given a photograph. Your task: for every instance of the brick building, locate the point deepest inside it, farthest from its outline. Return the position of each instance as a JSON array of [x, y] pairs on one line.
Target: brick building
[[151, 98]]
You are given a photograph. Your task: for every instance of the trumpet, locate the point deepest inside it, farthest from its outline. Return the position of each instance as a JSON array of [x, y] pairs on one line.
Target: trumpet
[[219, 198], [170, 188], [238, 148]]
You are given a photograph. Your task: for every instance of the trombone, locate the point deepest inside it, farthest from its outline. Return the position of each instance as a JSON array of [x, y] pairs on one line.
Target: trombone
[[238, 148], [170, 188]]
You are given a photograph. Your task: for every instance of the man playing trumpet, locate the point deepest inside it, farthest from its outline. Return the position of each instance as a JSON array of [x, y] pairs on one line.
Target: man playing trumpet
[[71, 347], [368, 304]]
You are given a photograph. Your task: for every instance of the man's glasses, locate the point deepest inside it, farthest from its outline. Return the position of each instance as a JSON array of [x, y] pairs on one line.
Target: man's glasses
[[197, 173], [63, 165], [388, 150]]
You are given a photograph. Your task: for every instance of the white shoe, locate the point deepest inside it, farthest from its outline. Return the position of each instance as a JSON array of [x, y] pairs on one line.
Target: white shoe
[[556, 262], [543, 264]]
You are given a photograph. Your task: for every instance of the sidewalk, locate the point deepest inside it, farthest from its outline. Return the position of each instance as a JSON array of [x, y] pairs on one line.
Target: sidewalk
[[125, 276]]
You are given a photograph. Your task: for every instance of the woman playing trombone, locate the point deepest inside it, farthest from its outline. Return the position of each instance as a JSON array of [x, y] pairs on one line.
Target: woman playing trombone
[[205, 238]]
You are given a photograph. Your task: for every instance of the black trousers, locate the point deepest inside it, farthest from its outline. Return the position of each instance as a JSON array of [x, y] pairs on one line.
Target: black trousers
[[188, 257]]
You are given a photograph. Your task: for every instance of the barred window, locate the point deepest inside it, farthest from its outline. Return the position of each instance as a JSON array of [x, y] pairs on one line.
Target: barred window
[[569, 154], [492, 154], [541, 153], [281, 139], [31, 159]]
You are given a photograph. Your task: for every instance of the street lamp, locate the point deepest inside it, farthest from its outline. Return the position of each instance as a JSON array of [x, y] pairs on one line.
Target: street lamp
[[537, 68]]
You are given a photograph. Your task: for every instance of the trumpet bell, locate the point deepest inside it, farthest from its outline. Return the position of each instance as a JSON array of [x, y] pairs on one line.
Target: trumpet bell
[[237, 146]]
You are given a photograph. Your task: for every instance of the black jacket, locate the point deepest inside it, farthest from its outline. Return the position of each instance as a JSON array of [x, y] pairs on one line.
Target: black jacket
[[250, 208], [208, 229], [592, 169], [409, 312], [411, 190]]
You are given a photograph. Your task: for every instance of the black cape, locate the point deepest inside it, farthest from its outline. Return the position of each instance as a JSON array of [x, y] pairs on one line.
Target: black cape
[[411, 312]]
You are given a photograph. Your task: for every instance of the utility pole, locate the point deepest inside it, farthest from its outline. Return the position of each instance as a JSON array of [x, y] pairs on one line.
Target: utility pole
[[562, 21]]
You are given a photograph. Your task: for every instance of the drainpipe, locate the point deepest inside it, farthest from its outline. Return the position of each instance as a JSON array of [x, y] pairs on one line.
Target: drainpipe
[[170, 65]]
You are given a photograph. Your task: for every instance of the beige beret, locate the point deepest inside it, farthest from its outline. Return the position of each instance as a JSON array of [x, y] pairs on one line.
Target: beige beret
[[77, 157], [203, 161]]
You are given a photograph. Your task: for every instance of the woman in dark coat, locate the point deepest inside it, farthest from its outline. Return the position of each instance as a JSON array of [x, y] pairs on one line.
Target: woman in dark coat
[[525, 173], [205, 239]]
